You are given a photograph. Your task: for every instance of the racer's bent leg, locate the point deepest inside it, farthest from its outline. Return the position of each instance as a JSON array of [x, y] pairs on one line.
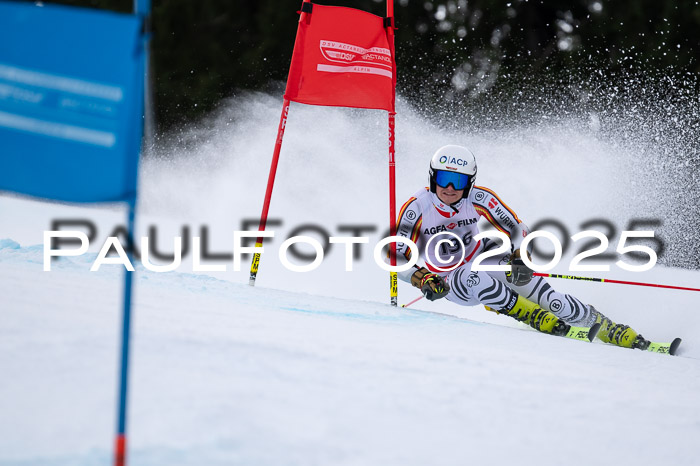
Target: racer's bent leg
[[470, 288], [564, 306]]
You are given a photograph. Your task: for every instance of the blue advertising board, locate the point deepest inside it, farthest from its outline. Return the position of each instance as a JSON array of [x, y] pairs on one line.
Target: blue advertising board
[[71, 102]]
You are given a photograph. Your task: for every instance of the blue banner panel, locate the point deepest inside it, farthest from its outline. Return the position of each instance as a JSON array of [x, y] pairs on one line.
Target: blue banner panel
[[71, 102]]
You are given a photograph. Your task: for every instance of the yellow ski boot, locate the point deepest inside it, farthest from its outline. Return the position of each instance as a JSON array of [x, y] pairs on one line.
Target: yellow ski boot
[[618, 334], [530, 313]]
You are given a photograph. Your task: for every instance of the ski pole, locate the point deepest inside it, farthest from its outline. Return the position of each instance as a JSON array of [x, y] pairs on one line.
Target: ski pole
[[608, 280], [415, 300]]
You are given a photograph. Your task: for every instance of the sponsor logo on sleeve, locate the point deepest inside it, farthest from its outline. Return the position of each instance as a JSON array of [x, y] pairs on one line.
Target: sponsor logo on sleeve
[[504, 217]]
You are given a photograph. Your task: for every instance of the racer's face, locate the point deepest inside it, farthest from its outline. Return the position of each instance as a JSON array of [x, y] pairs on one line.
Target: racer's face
[[449, 195]]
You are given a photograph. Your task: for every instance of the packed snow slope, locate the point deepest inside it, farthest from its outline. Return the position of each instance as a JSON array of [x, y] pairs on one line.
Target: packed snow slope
[[316, 368], [227, 374]]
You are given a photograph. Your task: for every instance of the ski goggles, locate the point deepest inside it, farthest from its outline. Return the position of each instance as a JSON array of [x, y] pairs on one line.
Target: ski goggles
[[457, 180]]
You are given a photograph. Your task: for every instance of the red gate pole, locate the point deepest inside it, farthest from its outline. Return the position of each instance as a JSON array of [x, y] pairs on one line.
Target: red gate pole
[[268, 193], [393, 278]]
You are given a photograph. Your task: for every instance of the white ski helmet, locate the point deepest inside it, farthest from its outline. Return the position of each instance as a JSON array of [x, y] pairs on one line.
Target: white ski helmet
[[455, 165]]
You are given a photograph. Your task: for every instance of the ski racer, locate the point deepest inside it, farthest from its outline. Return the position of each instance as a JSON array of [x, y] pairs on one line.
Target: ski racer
[[453, 204]]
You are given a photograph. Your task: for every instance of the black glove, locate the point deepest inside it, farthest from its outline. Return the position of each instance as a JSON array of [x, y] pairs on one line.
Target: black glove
[[520, 274], [432, 285]]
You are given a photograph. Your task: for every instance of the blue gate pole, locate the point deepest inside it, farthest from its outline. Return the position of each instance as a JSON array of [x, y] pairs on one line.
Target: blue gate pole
[[143, 9], [120, 447]]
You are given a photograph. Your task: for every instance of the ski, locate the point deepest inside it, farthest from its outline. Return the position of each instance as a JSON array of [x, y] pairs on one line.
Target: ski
[[583, 333], [664, 348]]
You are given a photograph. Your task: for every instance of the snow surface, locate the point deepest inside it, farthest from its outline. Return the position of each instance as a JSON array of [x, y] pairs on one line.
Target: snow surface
[[315, 369]]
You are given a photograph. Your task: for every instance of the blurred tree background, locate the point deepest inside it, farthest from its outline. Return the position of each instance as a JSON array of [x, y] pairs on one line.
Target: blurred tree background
[[448, 51], [627, 71]]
